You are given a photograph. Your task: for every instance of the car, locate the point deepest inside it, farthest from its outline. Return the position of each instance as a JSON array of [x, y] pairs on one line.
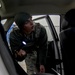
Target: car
[[49, 11]]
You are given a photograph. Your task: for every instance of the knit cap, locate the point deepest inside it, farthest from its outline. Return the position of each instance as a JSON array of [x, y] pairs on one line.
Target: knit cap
[[21, 18]]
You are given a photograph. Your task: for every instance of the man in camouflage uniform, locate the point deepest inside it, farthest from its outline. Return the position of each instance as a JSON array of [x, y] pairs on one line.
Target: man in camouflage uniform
[[35, 37]]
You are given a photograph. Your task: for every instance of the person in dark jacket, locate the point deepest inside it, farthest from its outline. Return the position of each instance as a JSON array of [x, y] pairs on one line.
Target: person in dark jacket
[[35, 38], [67, 42]]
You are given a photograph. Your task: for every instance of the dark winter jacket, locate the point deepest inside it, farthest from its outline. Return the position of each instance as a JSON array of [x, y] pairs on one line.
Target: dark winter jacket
[[37, 40]]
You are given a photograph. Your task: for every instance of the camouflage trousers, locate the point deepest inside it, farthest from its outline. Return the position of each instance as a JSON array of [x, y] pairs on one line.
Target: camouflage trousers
[[31, 63]]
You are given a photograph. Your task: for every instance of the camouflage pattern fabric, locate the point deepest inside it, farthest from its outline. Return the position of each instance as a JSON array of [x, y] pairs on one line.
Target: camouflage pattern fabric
[[31, 63]]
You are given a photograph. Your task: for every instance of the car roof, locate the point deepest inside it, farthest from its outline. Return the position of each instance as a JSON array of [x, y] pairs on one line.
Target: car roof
[[10, 7]]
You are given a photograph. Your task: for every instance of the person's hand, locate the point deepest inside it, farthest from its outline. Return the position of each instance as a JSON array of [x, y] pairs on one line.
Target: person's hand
[[42, 69], [21, 52]]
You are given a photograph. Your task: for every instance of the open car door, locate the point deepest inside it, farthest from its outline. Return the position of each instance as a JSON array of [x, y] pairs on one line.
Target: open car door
[[54, 56]]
